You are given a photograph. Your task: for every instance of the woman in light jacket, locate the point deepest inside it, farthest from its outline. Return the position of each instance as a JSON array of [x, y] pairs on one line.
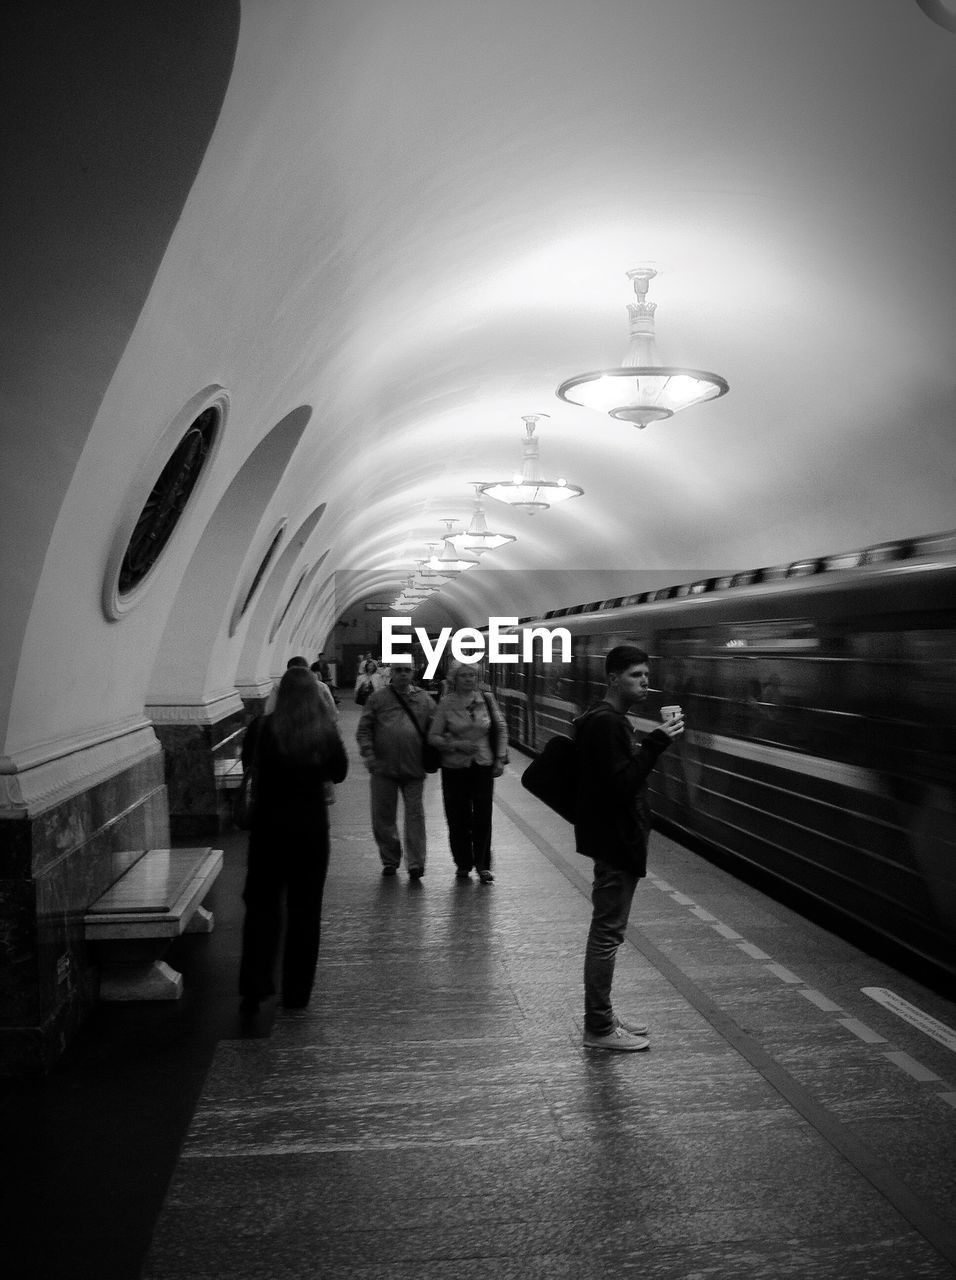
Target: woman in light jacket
[[367, 681], [469, 731]]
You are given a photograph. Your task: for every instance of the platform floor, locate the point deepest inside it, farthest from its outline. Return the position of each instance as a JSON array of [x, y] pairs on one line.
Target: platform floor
[[434, 1115]]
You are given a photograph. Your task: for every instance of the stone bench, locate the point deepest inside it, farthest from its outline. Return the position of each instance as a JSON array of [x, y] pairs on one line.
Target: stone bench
[[135, 920], [228, 774]]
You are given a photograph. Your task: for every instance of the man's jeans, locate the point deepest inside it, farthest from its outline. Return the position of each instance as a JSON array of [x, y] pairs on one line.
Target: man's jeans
[[611, 894], [384, 794]]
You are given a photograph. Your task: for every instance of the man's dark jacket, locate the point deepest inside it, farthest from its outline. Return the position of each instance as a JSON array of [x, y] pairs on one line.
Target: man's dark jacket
[[613, 814]]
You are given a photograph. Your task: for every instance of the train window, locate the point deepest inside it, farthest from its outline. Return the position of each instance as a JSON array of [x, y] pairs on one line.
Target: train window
[[614, 603], [937, 544], [886, 551], [724, 583], [790, 634], [846, 560], [746, 578], [803, 568], [774, 573]]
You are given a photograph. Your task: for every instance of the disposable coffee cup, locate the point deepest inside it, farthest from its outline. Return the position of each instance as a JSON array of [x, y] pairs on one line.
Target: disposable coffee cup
[[670, 713]]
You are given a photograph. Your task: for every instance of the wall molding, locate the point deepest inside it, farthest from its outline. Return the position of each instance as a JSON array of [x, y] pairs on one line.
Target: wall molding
[[210, 712], [34, 782], [259, 690]]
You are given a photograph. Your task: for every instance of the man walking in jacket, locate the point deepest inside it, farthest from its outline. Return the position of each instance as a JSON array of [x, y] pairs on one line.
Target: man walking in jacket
[[612, 828], [390, 736]]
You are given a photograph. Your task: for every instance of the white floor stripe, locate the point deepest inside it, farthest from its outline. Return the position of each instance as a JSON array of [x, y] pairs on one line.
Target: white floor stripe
[[864, 1032], [821, 1001], [783, 974], [725, 931], [911, 1066], [753, 951]]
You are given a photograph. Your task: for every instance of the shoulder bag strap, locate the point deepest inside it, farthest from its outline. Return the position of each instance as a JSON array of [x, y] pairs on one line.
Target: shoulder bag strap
[[408, 711]]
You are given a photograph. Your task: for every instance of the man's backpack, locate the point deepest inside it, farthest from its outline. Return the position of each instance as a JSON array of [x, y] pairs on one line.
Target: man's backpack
[[552, 776]]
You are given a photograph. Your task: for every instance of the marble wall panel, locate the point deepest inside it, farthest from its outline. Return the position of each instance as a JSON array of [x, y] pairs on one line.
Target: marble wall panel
[[64, 857], [254, 706], [196, 807]]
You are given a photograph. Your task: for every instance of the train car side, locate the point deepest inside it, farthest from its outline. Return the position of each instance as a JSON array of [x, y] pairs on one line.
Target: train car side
[[821, 737]]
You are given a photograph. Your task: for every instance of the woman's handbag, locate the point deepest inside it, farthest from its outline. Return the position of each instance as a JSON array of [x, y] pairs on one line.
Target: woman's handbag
[[431, 756], [495, 735], [363, 691]]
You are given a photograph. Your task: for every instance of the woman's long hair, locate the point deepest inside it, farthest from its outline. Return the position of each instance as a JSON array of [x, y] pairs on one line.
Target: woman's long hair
[[300, 723]]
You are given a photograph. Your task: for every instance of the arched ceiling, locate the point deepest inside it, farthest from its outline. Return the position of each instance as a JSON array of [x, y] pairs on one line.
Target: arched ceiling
[[411, 221], [454, 193]]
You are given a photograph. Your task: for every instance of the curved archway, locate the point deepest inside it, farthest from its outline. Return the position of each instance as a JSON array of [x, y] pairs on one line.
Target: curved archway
[[197, 656]]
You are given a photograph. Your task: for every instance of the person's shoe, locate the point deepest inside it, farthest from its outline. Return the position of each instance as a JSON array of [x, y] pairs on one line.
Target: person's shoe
[[415, 873], [486, 877], [248, 1006], [632, 1028], [461, 874], [389, 871], [618, 1040]]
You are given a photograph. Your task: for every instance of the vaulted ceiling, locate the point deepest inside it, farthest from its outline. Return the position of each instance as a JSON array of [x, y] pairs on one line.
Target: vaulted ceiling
[[381, 231]]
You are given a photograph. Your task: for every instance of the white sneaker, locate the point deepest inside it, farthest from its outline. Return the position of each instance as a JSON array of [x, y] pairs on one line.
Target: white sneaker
[[635, 1028], [619, 1040]]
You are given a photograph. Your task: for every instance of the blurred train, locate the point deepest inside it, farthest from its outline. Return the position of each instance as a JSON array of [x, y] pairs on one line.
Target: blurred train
[[820, 750]]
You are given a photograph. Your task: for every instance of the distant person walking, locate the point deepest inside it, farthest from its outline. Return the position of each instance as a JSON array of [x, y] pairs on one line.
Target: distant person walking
[[470, 732], [367, 681], [324, 692], [612, 828], [391, 737], [294, 753]]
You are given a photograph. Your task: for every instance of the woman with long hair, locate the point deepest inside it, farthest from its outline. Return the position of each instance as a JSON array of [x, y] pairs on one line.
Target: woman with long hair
[[294, 753], [469, 731]]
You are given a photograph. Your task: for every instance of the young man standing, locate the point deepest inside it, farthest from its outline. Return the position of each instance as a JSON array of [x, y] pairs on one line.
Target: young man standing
[[612, 828]]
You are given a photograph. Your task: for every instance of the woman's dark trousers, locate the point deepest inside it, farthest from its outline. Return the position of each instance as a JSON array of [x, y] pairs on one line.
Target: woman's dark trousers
[[467, 796], [295, 872]]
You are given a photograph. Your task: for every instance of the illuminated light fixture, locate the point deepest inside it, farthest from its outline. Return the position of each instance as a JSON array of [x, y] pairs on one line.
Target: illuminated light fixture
[[452, 561], [409, 596], [642, 390], [478, 537], [528, 492], [427, 577]]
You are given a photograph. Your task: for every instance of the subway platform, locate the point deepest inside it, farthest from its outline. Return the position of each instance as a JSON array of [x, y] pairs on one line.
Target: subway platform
[[433, 1114]]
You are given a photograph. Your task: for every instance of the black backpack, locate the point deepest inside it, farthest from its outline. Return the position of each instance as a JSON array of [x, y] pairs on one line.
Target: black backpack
[[552, 776]]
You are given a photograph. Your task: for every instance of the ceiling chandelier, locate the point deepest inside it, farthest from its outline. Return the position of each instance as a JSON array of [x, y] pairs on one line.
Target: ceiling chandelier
[[410, 596], [451, 561], [642, 390], [425, 577], [528, 492], [478, 537]]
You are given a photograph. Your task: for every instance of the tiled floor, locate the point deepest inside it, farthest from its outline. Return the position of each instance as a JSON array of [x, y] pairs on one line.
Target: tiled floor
[[433, 1113]]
